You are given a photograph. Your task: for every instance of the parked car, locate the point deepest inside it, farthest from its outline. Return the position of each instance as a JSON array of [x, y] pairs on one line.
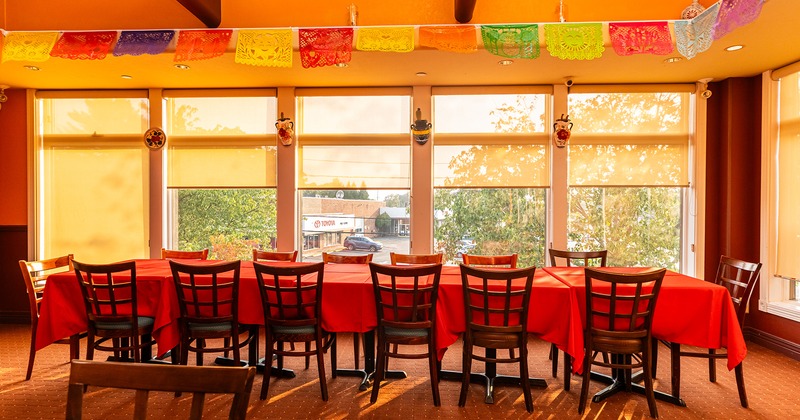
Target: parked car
[[361, 242]]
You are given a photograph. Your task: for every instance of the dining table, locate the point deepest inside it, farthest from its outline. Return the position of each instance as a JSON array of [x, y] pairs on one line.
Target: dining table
[[689, 311]]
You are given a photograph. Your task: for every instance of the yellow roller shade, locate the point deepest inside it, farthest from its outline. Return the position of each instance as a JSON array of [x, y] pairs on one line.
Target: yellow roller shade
[[789, 178]]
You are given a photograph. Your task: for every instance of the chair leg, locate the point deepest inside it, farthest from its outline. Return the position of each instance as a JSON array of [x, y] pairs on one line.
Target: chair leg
[[308, 348], [654, 361], [323, 384], [267, 367], [648, 385], [356, 348], [523, 374], [89, 346], [567, 371], [740, 384], [554, 358], [466, 369], [434, 367], [587, 368], [380, 368], [676, 369], [201, 343], [32, 354], [712, 366]]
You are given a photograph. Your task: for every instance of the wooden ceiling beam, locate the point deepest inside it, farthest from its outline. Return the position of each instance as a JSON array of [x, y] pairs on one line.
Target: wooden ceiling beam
[[208, 11]]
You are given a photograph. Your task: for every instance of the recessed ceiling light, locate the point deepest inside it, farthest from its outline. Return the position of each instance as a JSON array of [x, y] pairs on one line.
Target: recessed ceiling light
[[32, 68], [182, 67], [673, 60], [341, 65], [505, 62], [421, 74], [734, 48], [127, 76]]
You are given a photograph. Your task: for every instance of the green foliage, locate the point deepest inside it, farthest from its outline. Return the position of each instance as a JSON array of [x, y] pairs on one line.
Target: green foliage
[[397, 200], [348, 194], [227, 221], [384, 223]]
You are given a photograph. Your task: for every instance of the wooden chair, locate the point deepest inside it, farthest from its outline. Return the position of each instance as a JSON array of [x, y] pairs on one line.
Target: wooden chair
[[740, 278], [509, 261], [346, 259], [398, 259], [144, 378], [619, 314], [259, 255], [35, 273], [109, 293], [570, 259], [184, 255], [292, 301], [208, 296], [405, 301], [349, 259], [496, 313]]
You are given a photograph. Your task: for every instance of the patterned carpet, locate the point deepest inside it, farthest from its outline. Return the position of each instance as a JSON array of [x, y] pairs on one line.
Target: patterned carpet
[[772, 384]]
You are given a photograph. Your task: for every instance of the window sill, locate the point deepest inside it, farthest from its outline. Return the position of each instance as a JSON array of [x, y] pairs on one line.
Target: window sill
[[784, 309]]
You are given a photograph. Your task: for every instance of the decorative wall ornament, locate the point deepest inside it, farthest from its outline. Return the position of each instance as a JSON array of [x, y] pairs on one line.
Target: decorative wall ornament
[[691, 11], [562, 131], [574, 41], [143, 42], [511, 41], [84, 45], [695, 36], [325, 46], [285, 127], [28, 46], [388, 39], [201, 44], [735, 13], [630, 38], [421, 129], [155, 138], [460, 39], [272, 48]]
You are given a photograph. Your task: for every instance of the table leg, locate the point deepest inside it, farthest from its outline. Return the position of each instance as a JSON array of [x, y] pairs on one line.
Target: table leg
[[617, 382], [369, 365]]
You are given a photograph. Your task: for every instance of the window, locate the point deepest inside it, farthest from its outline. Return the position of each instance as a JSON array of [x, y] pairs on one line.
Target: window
[[221, 172], [354, 171], [491, 173], [92, 175], [781, 277], [628, 173]]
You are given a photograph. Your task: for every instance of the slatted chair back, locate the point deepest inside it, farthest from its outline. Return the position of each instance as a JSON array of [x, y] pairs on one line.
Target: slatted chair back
[[184, 255], [109, 294], [578, 258], [398, 259], [509, 261], [346, 259], [34, 275], [144, 378], [741, 279], [259, 255]]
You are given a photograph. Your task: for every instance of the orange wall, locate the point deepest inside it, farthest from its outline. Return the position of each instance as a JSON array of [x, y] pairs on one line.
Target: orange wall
[[13, 159]]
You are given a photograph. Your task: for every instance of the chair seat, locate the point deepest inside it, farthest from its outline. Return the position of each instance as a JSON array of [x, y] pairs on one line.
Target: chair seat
[[217, 326], [144, 322], [406, 332], [300, 329]]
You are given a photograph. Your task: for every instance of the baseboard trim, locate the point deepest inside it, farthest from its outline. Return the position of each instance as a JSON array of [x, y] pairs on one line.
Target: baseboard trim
[[16, 317], [772, 342]]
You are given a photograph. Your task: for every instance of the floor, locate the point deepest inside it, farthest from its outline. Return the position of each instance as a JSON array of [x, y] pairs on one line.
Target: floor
[[772, 381]]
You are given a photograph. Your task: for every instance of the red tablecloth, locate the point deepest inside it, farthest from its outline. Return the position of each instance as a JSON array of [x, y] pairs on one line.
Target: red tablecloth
[[688, 311]]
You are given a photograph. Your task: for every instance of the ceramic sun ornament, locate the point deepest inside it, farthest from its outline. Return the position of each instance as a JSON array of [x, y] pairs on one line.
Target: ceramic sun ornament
[[691, 11], [155, 138]]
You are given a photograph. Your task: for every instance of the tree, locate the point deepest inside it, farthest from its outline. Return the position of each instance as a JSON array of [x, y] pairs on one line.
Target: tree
[[397, 200], [383, 223]]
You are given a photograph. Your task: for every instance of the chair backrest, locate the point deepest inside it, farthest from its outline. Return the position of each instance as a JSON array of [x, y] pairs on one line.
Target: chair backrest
[[346, 259], [406, 295], [415, 258], [740, 278], [509, 261], [207, 293], [578, 258], [184, 255], [259, 255], [109, 292], [35, 273], [141, 377], [620, 306], [497, 299], [291, 296]]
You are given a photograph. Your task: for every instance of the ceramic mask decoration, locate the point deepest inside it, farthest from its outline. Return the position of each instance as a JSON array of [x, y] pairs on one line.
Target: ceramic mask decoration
[[562, 130], [285, 128]]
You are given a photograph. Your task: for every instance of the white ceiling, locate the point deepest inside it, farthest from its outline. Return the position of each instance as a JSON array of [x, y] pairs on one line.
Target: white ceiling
[[772, 41]]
